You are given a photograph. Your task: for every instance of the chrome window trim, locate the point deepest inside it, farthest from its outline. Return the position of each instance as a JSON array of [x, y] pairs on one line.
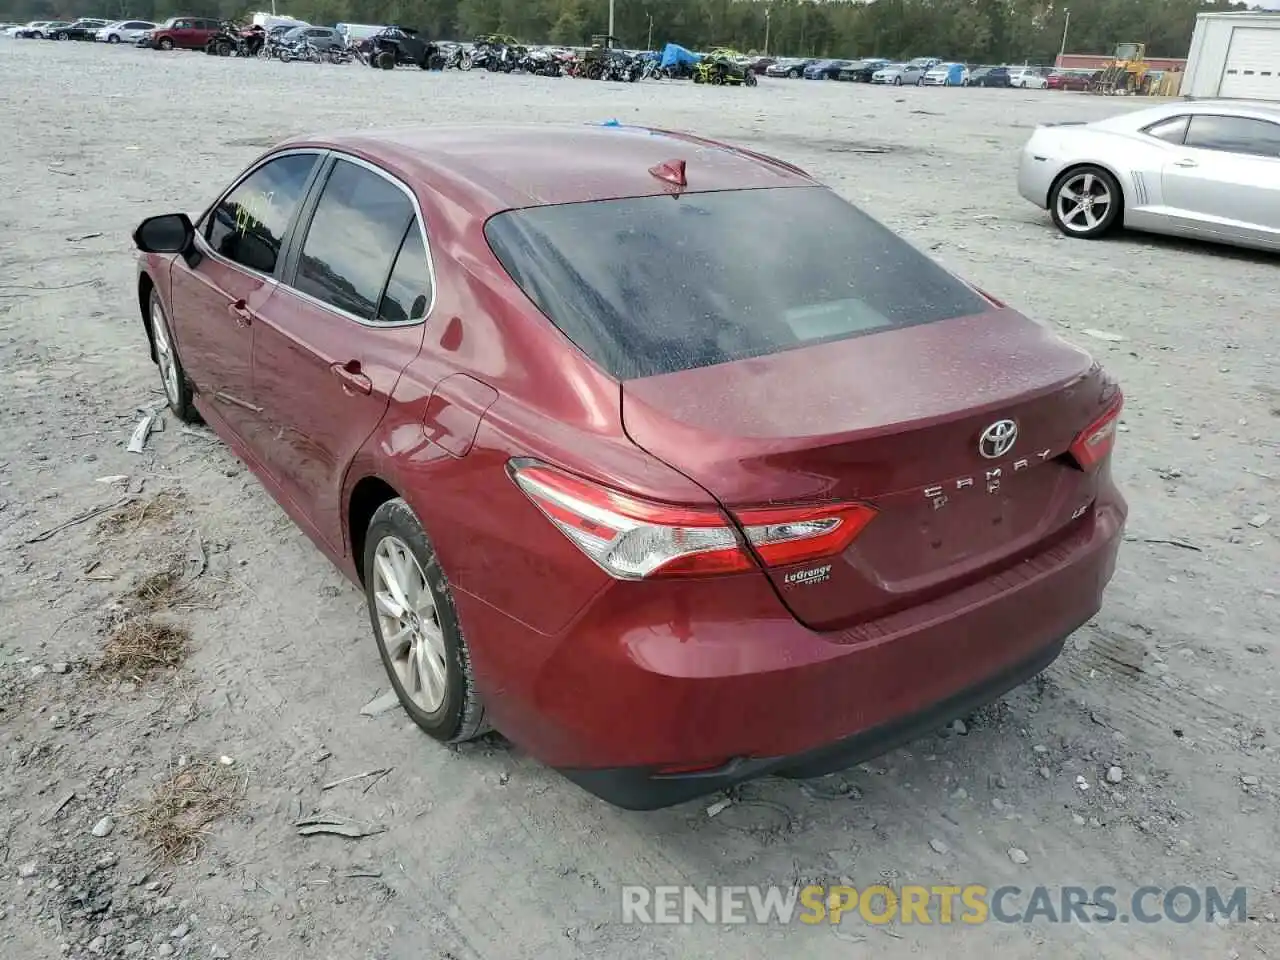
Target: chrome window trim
[[419, 220], [203, 245]]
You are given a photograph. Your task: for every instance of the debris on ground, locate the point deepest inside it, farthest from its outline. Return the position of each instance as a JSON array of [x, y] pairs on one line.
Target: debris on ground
[[338, 826], [175, 820]]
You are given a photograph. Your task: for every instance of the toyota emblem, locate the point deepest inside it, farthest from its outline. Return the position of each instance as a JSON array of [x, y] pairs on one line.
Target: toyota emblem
[[998, 439]]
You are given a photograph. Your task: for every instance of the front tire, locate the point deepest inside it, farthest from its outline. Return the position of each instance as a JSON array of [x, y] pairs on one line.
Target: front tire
[[750, 80], [385, 60], [1086, 202], [416, 627], [793, 74], [165, 44], [177, 388], [897, 81], [113, 38]]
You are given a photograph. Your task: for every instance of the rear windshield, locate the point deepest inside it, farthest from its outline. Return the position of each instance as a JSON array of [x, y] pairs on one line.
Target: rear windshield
[[653, 285]]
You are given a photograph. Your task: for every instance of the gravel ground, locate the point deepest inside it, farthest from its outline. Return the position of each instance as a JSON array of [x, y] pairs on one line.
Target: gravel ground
[[484, 853]]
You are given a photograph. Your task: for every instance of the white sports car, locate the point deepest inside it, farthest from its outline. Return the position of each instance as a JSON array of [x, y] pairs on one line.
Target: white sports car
[[1205, 169]]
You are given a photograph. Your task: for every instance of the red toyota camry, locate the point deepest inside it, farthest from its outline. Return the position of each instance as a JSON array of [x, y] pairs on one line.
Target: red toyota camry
[[669, 507]]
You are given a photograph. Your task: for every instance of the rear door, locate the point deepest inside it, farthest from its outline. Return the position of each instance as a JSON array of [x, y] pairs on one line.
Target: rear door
[[216, 303], [1226, 177], [348, 318]]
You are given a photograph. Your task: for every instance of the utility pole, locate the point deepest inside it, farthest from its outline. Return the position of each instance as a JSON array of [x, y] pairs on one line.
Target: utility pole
[[650, 46], [767, 11], [610, 40], [1065, 26]]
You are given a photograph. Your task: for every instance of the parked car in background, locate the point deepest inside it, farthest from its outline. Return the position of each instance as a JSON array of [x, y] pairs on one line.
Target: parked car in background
[[125, 31], [946, 75], [322, 38], [1206, 169], [85, 29], [185, 33], [925, 62], [1071, 79], [758, 65], [594, 527], [792, 67], [861, 71], [825, 69], [39, 29], [900, 74], [989, 77], [1027, 78]]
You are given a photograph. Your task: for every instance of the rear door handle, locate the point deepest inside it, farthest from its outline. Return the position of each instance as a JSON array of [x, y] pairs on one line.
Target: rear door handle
[[240, 310], [1185, 162], [353, 380]]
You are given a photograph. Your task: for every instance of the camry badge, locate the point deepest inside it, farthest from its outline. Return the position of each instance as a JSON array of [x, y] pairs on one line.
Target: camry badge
[[998, 439]]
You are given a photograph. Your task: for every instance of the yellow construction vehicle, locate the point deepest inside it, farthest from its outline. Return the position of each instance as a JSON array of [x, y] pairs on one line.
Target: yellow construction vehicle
[[1126, 72]]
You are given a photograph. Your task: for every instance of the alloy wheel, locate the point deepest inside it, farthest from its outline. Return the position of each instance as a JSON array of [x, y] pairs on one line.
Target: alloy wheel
[[1083, 202], [410, 624], [164, 355]]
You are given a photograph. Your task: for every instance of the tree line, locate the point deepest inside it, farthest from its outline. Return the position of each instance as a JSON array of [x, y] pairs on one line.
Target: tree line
[[976, 31]]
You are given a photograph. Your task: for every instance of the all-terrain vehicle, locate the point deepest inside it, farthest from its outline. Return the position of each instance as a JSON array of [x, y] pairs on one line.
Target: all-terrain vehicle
[[402, 46], [603, 62], [723, 67]]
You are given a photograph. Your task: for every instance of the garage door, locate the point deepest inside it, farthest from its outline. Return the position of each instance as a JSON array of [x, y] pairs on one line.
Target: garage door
[[1253, 65]]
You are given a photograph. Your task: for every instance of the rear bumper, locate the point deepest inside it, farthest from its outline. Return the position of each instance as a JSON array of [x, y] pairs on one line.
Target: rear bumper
[[636, 788], [719, 677]]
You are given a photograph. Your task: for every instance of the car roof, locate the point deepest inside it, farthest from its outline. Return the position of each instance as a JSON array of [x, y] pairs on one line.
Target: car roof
[[493, 167], [1136, 119]]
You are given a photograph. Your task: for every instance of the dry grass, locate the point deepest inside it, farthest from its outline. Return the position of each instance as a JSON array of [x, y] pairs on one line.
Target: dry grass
[[159, 509], [175, 820], [163, 589], [140, 645]]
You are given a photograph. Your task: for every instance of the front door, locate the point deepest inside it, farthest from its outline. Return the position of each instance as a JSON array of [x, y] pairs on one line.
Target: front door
[[1226, 177], [347, 319], [216, 303]]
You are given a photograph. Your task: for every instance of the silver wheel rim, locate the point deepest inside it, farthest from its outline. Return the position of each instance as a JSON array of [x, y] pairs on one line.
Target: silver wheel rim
[[1084, 200], [164, 353], [409, 624]]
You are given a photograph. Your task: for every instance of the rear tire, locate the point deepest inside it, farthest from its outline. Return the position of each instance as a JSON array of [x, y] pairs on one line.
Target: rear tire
[[426, 640]]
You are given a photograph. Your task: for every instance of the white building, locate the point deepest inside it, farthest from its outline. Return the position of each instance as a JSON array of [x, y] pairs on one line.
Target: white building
[[1235, 55]]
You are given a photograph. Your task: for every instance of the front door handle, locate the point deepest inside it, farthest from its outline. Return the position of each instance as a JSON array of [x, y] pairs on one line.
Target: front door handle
[[1185, 162], [353, 380], [240, 310]]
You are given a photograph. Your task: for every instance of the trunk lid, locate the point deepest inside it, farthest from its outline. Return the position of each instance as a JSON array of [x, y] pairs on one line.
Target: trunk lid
[[893, 419]]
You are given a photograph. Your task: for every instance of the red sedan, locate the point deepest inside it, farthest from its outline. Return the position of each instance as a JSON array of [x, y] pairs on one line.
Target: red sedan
[[670, 507]]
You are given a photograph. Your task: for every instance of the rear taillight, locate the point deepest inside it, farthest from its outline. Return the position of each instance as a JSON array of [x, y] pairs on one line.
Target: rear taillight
[[1097, 440], [632, 538]]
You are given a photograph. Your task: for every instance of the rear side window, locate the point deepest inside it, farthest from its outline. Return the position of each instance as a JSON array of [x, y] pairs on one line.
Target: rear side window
[[652, 285], [248, 224], [353, 239], [1234, 135], [408, 293]]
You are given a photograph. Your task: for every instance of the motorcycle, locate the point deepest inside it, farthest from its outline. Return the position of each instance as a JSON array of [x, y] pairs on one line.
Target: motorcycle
[[303, 50], [540, 63]]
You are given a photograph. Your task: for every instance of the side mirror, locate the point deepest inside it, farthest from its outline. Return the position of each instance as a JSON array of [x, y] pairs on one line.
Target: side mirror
[[168, 233]]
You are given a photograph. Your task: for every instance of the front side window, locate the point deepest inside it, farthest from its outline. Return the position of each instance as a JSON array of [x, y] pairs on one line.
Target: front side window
[[248, 224], [355, 233], [1234, 135], [652, 285], [1170, 131]]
